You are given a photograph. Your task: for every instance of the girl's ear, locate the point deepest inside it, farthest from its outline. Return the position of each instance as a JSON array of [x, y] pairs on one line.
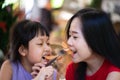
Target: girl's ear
[[22, 50]]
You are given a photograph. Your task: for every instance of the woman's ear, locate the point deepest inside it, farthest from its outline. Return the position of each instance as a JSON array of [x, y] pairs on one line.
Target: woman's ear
[[22, 50]]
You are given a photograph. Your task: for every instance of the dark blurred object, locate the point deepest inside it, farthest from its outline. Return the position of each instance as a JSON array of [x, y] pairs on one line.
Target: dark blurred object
[[96, 4], [117, 9], [1, 57], [46, 18], [6, 21], [117, 27]]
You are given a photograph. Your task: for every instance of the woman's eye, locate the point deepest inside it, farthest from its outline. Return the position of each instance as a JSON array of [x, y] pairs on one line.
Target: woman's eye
[[75, 37]]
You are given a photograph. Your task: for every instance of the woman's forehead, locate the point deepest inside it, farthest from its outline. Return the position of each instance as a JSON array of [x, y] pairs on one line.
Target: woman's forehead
[[75, 26]]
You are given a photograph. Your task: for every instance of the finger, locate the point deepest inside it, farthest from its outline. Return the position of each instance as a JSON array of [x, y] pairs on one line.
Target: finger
[[40, 64], [36, 68], [49, 75], [50, 71], [49, 67], [43, 62], [34, 74], [49, 78]]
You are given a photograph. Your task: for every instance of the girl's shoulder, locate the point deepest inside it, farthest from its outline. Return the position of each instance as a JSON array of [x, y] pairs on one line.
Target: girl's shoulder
[[6, 65], [6, 70]]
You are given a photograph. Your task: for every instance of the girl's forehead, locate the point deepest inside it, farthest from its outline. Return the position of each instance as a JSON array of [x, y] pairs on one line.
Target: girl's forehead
[[42, 34], [39, 38], [42, 37]]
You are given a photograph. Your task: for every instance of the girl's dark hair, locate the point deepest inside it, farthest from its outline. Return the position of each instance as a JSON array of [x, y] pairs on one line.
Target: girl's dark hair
[[21, 34], [100, 36]]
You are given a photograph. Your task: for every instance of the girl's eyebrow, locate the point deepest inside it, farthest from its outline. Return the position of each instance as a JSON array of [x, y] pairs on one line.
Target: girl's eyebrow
[[43, 39]]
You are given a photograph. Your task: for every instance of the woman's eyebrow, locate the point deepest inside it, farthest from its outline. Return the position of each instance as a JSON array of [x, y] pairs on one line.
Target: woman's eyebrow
[[74, 32]]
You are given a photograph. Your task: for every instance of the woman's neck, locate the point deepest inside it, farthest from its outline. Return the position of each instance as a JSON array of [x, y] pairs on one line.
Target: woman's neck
[[94, 64]]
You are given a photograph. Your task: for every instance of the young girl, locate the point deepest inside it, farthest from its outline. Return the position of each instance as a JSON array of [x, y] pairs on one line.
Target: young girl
[[29, 42], [95, 47]]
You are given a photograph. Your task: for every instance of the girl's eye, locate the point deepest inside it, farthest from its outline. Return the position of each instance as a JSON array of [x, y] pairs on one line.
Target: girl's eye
[[48, 43], [40, 44]]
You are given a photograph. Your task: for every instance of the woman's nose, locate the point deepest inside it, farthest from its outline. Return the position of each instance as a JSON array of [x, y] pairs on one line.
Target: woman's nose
[[69, 42]]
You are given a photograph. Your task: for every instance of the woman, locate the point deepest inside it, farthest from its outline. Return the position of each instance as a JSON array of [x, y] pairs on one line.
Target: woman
[[95, 47]]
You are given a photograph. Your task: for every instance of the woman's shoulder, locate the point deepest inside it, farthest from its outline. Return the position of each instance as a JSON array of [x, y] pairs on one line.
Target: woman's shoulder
[[71, 64], [70, 71], [113, 71], [71, 67], [6, 70], [114, 75], [112, 67]]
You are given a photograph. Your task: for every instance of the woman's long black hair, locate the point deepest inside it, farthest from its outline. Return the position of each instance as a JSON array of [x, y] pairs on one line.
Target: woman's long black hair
[[100, 36]]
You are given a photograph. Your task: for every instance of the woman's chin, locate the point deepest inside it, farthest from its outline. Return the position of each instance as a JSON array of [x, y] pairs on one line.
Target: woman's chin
[[75, 61]]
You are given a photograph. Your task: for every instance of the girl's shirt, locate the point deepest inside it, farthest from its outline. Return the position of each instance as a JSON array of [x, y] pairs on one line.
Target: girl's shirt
[[19, 73], [101, 74]]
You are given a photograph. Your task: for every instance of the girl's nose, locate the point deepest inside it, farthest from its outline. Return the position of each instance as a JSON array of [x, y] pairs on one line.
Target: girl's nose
[[47, 48]]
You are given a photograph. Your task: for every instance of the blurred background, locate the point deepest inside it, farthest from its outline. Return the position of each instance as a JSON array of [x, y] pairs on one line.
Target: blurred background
[[53, 14]]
